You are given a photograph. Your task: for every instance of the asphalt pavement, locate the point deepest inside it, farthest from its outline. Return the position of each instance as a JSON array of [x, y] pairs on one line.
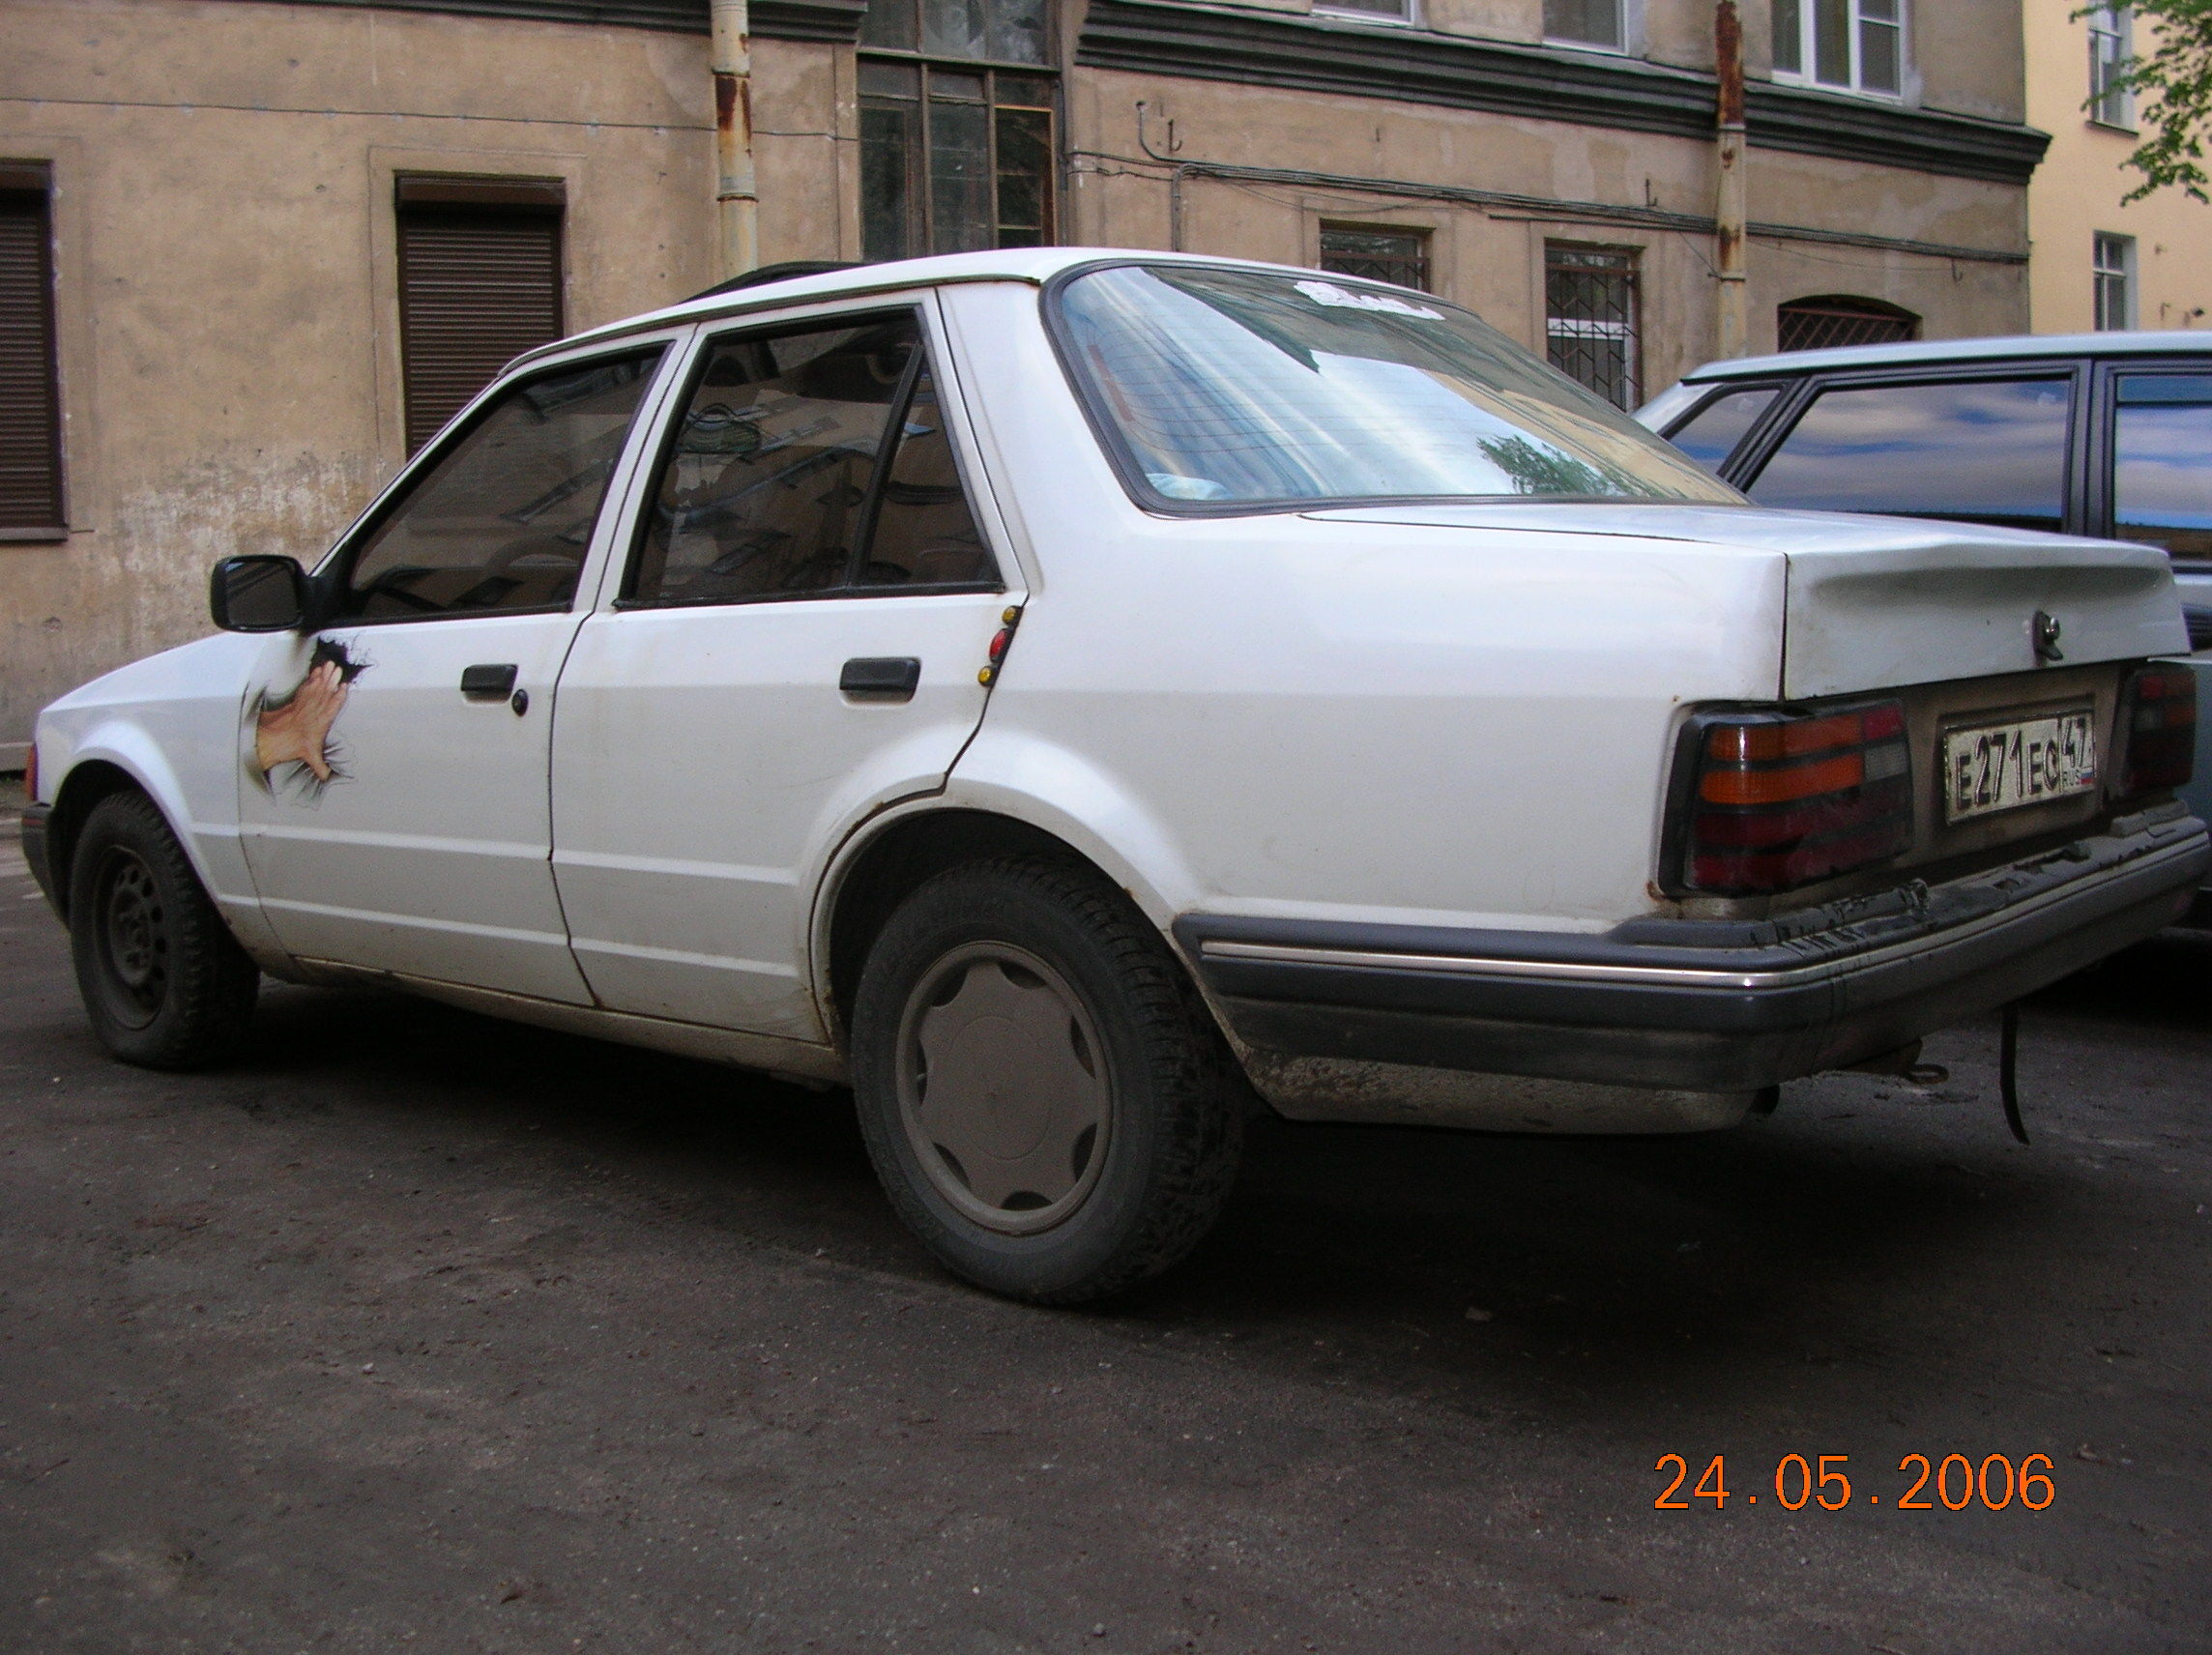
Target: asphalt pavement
[[417, 1331]]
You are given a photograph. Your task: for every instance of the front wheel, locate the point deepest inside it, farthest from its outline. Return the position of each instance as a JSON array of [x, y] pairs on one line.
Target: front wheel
[[164, 982], [1044, 1096]]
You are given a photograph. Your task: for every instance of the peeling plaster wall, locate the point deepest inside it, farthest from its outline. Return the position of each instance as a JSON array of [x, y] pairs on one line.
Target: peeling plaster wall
[[226, 290]]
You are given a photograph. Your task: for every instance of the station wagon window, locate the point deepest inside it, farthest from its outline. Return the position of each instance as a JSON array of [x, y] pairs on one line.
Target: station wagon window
[[1711, 434], [2161, 462], [769, 487], [1987, 451], [1233, 390], [504, 517]]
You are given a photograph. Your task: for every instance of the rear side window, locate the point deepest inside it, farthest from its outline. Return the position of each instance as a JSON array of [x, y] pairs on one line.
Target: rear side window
[[504, 517], [775, 481], [1985, 450], [1711, 434], [2161, 462]]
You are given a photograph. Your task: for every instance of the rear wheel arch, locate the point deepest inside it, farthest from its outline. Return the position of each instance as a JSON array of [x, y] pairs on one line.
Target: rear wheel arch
[[899, 860]]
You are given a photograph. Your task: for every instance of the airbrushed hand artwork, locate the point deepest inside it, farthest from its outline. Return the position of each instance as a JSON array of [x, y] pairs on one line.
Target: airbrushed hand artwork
[[292, 733]]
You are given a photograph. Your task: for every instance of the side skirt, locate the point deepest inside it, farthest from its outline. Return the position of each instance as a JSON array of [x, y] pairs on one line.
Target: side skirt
[[796, 1061]]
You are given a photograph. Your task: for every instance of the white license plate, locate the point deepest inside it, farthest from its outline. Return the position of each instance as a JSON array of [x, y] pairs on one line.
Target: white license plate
[[2003, 767]]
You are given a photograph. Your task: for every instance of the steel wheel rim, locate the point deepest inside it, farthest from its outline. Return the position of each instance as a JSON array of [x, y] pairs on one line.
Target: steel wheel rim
[[1004, 1088], [131, 926]]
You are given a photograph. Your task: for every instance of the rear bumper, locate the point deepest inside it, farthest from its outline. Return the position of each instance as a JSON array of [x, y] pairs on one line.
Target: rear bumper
[[34, 827], [1704, 1005]]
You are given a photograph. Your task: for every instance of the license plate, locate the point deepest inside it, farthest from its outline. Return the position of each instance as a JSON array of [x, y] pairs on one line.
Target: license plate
[[2003, 767]]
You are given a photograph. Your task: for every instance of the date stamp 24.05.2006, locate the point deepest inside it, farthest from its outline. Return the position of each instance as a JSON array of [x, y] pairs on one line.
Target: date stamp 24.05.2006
[[1952, 1482]]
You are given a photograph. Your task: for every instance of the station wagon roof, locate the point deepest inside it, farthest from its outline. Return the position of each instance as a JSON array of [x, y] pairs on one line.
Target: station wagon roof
[[1939, 352], [1035, 265]]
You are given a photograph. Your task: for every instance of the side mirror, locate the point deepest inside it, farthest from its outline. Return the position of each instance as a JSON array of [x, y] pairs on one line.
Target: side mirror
[[258, 594]]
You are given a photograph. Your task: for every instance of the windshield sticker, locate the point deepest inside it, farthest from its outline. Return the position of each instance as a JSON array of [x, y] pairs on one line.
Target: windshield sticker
[[1344, 299], [295, 754]]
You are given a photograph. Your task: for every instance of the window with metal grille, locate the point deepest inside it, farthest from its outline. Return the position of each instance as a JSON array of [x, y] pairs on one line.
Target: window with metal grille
[[1587, 22], [1855, 45], [1401, 256], [1840, 319], [31, 504], [2109, 104], [1593, 321], [956, 127], [2113, 265], [480, 284]]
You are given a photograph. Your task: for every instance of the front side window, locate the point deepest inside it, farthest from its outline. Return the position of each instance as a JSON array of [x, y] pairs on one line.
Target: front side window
[[2110, 105], [1593, 319], [2161, 462], [1220, 389], [1853, 45], [1586, 22], [504, 518], [956, 127], [2112, 269], [771, 486], [1987, 451], [1711, 434]]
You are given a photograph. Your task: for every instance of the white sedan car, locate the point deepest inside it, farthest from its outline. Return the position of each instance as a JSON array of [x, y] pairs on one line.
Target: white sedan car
[[1081, 697]]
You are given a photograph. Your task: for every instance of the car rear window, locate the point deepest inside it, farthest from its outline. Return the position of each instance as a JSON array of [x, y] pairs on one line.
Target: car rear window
[[1227, 390], [1980, 450]]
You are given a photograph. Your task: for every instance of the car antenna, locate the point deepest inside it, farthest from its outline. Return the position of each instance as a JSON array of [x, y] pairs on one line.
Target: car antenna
[[790, 270]]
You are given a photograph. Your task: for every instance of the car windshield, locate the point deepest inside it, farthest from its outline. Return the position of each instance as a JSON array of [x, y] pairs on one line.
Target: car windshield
[[1238, 388]]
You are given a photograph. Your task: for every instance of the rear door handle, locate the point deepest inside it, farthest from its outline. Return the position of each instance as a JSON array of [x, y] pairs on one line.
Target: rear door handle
[[881, 678], [488, 682]]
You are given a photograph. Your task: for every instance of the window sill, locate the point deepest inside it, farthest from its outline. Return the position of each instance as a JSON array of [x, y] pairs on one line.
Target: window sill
[[34, 537], [1354, 14], [1604, 46], [2118, 131], [1864, 94]]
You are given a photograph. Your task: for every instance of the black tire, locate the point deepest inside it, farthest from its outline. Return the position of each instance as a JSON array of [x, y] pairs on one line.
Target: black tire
[[164, 982], [1149, 1180]]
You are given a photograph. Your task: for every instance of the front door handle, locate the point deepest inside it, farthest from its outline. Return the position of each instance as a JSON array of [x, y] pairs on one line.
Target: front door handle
[[488, 682], [881, 678]]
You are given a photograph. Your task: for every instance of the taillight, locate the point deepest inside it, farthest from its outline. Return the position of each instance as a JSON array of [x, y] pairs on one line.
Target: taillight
[[2158, 725], [1772, 800], [30, 771]]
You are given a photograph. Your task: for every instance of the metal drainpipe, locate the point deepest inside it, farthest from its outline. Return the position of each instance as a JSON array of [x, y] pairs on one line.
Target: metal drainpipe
[[1730, 209], [737, 195]]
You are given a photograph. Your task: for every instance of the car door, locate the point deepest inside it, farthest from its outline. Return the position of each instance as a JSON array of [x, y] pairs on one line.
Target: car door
[[793, 640], [393, 801], [1986, 444]]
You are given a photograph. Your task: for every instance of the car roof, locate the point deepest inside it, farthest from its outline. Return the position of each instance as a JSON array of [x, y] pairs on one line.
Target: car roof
[[1938, 352], [1032, 266]]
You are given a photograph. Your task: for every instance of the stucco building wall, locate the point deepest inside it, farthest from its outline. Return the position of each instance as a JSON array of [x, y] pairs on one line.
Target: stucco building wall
[[225, 171], [2077, 190]]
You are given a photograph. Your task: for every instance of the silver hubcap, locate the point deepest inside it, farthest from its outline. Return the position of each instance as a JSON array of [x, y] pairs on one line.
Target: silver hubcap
[[1004, 1088]]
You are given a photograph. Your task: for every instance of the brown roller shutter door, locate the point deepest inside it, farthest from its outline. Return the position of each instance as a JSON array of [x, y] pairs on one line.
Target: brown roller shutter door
[[480, 284], [30, 401]]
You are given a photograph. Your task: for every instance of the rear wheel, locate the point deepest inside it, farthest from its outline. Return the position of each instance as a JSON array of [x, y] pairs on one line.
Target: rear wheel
[[1044, 1096], [163, 982]]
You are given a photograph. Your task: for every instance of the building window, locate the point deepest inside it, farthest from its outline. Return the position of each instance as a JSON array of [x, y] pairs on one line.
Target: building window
[[1841, 319], [1593, 319], [1587, 22], [1858, 45], [1369, 11], [2109, 104], [2112, 262], [956, 127], [1401, 256], [31, 504], [480, 284]]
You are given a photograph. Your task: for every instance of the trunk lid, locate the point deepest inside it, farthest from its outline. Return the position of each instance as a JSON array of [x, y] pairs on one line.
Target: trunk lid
[[1882, 602]]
